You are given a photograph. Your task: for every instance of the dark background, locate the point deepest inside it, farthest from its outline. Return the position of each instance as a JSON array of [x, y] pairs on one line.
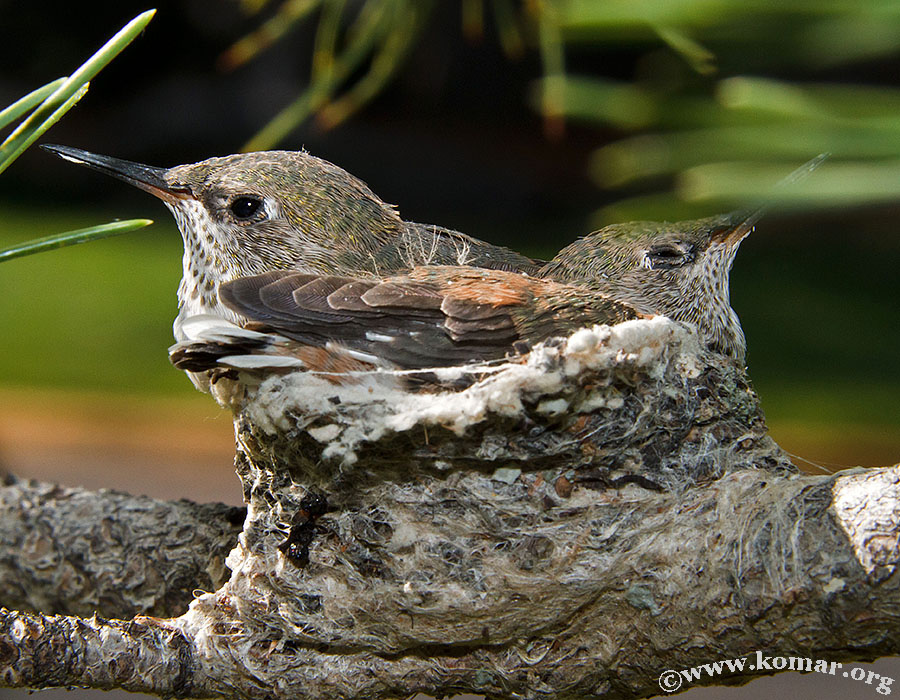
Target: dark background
[[454, 139]]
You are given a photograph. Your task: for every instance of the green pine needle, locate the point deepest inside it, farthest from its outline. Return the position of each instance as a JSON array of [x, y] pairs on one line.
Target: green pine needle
[[61, 240], [67, 93], [22, 105]]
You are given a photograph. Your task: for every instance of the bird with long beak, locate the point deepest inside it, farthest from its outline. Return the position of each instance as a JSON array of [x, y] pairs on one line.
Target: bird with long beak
[[680, 270], [247, 214]]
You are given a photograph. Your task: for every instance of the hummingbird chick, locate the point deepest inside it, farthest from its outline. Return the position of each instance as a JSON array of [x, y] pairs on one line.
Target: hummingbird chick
[[247, 214], [679, 270]]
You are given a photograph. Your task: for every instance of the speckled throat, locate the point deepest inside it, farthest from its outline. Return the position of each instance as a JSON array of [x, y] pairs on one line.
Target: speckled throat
[[706, 302], [205, 264]]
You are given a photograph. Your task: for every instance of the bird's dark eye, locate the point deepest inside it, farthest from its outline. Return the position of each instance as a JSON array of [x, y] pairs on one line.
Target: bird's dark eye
[[666, 251], [666, 255], [245, 207]]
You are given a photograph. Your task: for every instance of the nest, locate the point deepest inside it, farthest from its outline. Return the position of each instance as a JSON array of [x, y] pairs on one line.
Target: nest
[[381, 508], [638, 402]]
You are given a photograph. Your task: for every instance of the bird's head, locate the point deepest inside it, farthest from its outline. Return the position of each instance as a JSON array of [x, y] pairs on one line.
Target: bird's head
[[253, 212], [680, 270]]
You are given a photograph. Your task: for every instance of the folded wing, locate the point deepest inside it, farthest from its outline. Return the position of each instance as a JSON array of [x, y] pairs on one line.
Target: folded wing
[[431, 317]]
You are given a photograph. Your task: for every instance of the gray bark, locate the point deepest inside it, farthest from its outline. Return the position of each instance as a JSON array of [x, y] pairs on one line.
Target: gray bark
[[571, 525], [76, 552]]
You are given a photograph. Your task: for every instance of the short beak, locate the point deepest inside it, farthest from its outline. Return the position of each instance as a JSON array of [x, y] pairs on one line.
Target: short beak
[[146, 177], [738, 226]]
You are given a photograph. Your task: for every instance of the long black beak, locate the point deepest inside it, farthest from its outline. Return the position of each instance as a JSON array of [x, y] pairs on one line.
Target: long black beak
[[146, 177]]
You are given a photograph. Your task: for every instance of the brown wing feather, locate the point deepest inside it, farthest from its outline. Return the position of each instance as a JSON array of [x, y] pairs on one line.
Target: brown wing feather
[[349, 297], [403, 294], [435, 316]]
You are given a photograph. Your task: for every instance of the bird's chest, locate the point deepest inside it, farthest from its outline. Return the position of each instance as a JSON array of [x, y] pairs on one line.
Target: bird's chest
[[709, 292], [197, 293], [708, 306]]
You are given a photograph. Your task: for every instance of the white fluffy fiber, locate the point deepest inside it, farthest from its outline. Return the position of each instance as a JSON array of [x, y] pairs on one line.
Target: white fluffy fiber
[[365, 406]]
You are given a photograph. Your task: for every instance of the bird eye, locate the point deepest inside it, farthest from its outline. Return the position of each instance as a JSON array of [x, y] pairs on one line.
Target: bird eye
[[665, 252], [245, 207], [666, 256]]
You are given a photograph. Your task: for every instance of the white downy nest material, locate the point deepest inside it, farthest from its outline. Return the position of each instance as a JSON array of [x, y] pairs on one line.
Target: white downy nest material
[[638, 399], [371, 405]]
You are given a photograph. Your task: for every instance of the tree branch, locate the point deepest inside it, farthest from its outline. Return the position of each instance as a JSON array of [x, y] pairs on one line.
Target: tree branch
[[46, 651], [571, 524], [72, 551], [793, 566]]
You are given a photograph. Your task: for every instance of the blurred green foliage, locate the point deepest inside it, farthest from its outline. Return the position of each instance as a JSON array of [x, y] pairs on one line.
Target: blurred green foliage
[[701, 116], [701, 123], [91, 317], [818, 320]]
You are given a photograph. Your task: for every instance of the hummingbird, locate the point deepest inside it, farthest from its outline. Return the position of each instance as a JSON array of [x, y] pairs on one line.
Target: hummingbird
[[247, 214], [680, 270]]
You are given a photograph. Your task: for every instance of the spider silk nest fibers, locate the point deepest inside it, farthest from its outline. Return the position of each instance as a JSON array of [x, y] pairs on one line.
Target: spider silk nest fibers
[[640, 399]]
